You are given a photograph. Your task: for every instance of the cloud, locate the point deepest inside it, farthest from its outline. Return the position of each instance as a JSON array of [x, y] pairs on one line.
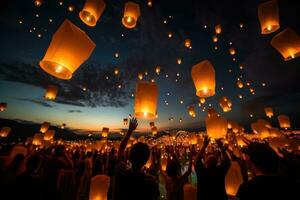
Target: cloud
[[74, 111], [36, 101]]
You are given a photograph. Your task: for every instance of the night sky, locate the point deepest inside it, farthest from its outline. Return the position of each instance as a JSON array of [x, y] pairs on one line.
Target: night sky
[[26, 32]]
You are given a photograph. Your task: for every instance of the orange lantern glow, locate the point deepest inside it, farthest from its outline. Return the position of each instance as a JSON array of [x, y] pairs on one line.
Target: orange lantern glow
[[269, 112], [99, 187], [203, 75], [216, 127], [49, 135], [229, 124], [191, 111], [179, 61], [259, 127], [189, 192], [268, 17], [44, 127], [3, 106], [225, 104], [149, 162], [51, 92], [193, 140], [164, 163], [91, 12], [154, 130], [240, 84], [187, 43], [215, 38], [69, 48], [149, 3], [233, 179], [38, 3], [71, 8], [284, 121], [202, 100], [131, 14], [38, 139], [211, 112], [218, 29], [232, 51], [116, 71], [146, 100], [105, 132], [125, 121], [287, 43], [274, 132], [157, 70], [5, 131], [151, 124], [140, 76]]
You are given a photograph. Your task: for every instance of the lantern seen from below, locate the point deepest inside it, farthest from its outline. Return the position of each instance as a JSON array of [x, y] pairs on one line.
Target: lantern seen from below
[[284, 121], [215, 38], [99, 187], [5, 131], [268, 16], [91, 12], [202, 100], [51, 92], [140, 76], [105, 132], [69, 48], [191, 111], [233, 179], [259, 127], [131, 14], [145, 100], [232, 51], [269, 112], [49, 135], [287, 43], [154, 130], [240, 84], [216, 127], [125, 121], [203, 75], [3, 106], [187, 43], [157, 70], [225, 104], [38, 3], [218, 29], [44, 127], [38, 139]]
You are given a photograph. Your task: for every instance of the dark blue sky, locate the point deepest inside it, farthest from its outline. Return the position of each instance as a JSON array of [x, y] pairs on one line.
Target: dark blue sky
[[22, 81]]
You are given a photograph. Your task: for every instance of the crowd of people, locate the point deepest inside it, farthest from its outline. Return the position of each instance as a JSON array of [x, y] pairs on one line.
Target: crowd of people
[[58, 172]]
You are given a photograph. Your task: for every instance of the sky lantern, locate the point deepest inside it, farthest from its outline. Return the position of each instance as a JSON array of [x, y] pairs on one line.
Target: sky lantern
[[229, 124], [38, 3], [125, 121], [275, 132], [91, 12], [202, 100], [3, 106], [49, 135], [259, 127], [151, 124], [233, 179], [131, 14], [203, 75], [149, 3], [179, 61], [146, 100], [191, 111], [187, 43], [69, 48], [116, 71], [268, 16], [71, 8], [154, 130], [225, 104], [284, 121], [287, 43], [232, 51], [99, 187], [269, 112], [140, 76], [5, 131], [38, 139], [218, 29], [193, 140], [51, 92], [164, 163], [105, 132], [240, 84], [157, 70], [215, 38], [216, 126], [44, 127]]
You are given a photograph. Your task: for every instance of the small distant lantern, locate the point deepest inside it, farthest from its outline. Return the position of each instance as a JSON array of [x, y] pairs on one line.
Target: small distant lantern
[[91, 12], [69, 48], [229, 124], [233, 179], [215, 38], [202, 100], [191, 111], [51, 92], [179, 61], [157, 70], [151, 124], [218, 29], [268, 17], [99, 187], [71, 8], [240, 84], [49, 135], [216, 127], [269, 112], [105, 132], [125, 121], [203, 75], [140, 76], [170, 34], [3, 106], [287, 43], [38, 139], [44, 127], [187, 43], [116, 71], [4, 132], [131, 14], [38, 3], [284, 121], [154, 130], [146, 100], [225, 104], [149, 3], [260, 128], [232, 51], [164, 163]]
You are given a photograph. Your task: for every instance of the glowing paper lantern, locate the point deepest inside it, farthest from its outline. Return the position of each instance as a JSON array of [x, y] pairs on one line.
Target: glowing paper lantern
[[49, 135], [268, 16], [287, 43], [5, 131], [99, 187], [225, 104], [38, 3], [233, 179], [38, 139], [125, 121], [3, 106], [69, 48], [187, 43], [18, 149], [232, 51], [105, 132], [140, 76], [284, 121], [91, 12], [269, 112], [131, 14], [44, 127], [157, 70], [239, 141], [274, 132], [216, 127], [218, 29], [149, 3], [214, 38], [260, 128], [202, 100], [179, 61], [151, 124], [191, 111], [145, 100], [203, 75], [189, 192], [71, 8], [164, 163], [51, 92], [240, 84], [193, 140], [154, 130]]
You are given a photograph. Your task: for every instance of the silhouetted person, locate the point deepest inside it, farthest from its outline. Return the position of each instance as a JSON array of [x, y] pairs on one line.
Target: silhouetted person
[[266, 184], [133, 183], [210, 174]]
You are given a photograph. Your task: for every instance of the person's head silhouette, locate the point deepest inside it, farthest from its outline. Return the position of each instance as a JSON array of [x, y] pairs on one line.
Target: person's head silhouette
[[139, 155]]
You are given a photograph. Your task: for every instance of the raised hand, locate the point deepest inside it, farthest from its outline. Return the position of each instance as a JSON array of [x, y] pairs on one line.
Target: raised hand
[[133, 124]]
